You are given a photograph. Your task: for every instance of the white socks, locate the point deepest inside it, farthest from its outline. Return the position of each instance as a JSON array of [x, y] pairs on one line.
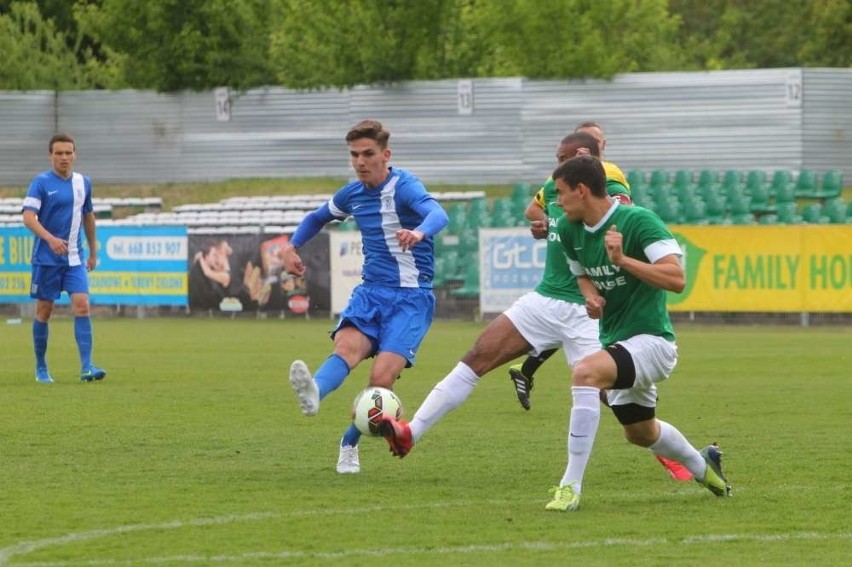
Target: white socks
[[673, 445], [582, 429], [447, 395]]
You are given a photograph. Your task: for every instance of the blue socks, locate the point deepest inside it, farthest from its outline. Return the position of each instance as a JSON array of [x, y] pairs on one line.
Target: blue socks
[[40, 334], [83, 335], [351, 437], [331, 375]]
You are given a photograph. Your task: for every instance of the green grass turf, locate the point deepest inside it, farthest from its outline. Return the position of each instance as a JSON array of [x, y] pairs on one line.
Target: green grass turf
[[193, 452]]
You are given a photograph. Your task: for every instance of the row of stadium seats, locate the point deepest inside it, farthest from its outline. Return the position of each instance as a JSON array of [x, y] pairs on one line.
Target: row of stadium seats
[[781, 186]]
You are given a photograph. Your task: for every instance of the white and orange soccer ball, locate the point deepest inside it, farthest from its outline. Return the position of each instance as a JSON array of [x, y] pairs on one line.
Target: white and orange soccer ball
[[370, 405]]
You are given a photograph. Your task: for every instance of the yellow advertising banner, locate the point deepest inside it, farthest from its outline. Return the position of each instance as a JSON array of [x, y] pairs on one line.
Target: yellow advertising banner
[[765, 268]]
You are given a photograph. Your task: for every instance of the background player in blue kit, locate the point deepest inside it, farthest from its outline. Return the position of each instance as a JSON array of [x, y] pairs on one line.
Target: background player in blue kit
[[391, 310], [58, 211]]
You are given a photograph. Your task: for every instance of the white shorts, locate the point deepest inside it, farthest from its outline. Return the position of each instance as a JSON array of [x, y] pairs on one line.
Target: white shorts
[[547, 323], [654, 358]]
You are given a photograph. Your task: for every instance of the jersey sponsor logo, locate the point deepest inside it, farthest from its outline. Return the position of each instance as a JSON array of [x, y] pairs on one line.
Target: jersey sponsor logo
[[606, 278]]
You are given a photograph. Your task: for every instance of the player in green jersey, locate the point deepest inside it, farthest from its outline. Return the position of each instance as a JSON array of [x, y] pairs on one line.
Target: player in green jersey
[[522, 374], [551, 316], [625, 260]]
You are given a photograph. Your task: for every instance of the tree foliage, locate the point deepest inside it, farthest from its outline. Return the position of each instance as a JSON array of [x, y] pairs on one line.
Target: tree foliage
[[35, 55], [170, 45]]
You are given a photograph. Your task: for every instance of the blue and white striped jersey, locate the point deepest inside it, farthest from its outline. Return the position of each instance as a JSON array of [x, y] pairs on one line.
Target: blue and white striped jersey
[[401, 201], [60, 205]]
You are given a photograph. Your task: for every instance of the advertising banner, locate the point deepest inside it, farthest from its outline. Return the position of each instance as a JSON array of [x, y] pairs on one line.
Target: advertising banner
[[238, 272], [511, 262], [346, 258], [136, 266], [805, 268]]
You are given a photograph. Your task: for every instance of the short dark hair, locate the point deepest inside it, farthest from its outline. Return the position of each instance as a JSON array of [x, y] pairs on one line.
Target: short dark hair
[[582, 140], [371, 129], [587, 170], [589, 124], [60, 137]]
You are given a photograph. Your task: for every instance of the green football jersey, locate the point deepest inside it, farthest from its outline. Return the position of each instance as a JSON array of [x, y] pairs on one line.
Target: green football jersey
[[557, 281], [632, 307]]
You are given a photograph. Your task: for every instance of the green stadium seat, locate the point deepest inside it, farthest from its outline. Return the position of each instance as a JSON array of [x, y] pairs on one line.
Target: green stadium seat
[[682, 178], [759, 200], [502, 213], [636, 179], [715, 209], [837, 211], [755, 180], [708, 179], [659, 178], [732, 182], [740, 208], [788, 213], [831, 186], [694, 212], [470, 281], [784, 193], [457, 214], [806, 184], [781, 186], [768, 219], [669, 211], [446, 268], [812, 214]]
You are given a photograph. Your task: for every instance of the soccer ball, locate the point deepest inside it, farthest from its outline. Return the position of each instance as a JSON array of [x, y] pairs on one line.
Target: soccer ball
[[369, 407]]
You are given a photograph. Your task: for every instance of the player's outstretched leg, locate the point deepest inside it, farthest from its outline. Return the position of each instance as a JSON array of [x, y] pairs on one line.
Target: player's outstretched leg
[[306, 389], [714, 480], [398, 435]]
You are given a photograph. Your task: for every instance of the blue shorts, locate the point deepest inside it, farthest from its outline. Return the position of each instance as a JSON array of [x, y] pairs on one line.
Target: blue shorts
[[49, 282], [395, 319]]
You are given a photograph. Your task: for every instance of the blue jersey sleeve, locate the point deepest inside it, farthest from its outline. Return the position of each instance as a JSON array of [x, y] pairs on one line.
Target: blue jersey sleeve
[[435, 218], [311, 225]]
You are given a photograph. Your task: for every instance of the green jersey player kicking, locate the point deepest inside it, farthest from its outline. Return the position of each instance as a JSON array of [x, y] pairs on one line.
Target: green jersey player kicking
[[625, 259]]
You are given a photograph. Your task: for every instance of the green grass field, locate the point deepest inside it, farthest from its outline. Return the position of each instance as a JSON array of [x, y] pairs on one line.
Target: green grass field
[[193, 452]]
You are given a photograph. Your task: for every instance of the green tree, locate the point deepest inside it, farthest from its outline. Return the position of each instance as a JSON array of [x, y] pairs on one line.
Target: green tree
[[735, 34], [35, 54], [342, 43], [171, 45]]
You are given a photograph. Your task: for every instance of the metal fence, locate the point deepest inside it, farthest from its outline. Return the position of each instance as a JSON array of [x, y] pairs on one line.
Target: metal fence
[[459, 131]]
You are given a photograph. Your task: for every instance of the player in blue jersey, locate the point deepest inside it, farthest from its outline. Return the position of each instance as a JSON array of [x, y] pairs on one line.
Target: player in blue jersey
[[58, 211], [391, 310]]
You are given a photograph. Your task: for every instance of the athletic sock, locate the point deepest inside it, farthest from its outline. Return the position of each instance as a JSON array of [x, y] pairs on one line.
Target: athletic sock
[[83, 336], [673, 445], [40, 334], [351, 437], [534, 362], [331, 375], [447, 395], [585, 417]]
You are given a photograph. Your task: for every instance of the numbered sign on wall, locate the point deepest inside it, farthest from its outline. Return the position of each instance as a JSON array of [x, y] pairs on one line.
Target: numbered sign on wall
[[465, 98], [223, 104], [794, 88]]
